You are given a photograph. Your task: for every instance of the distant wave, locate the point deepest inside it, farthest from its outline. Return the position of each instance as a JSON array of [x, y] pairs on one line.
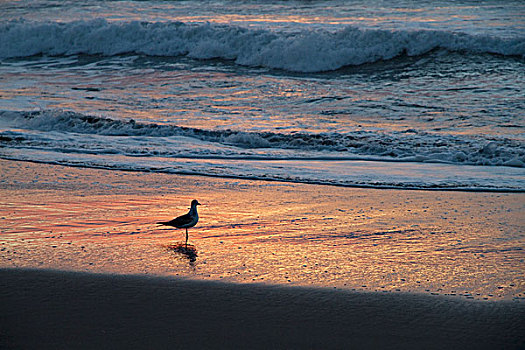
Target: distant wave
[[311, 50], [408, 145]]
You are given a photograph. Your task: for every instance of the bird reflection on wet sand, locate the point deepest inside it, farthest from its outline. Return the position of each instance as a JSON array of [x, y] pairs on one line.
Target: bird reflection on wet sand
[[189, 251]]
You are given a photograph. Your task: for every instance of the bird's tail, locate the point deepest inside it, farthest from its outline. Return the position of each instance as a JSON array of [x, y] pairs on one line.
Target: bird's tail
[[162, 223]]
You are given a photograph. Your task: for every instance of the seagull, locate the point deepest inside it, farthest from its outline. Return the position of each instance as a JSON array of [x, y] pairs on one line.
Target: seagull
[[185, 221]]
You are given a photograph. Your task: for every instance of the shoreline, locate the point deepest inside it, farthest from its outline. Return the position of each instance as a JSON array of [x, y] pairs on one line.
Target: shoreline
[[57, 309], [297, 182]]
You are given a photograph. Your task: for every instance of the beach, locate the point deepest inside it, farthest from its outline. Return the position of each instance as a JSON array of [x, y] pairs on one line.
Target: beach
[[84, 265], [448, 243], [63, 310], [359, 165]]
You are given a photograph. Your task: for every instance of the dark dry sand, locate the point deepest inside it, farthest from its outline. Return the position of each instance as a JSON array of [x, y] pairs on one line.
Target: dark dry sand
[[44, 309]]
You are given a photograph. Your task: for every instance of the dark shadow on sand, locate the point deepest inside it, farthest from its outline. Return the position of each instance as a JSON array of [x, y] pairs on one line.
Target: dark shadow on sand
[[44, 309]]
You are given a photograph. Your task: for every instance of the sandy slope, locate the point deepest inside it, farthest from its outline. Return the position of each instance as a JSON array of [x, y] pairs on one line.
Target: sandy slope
[[63, 310]]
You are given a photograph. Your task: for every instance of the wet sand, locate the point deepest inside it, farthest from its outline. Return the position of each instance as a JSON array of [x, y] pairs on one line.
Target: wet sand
[[467, 245], [68, 310]]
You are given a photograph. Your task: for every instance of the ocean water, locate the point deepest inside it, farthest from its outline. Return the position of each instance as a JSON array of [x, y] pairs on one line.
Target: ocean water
[[405, 94]]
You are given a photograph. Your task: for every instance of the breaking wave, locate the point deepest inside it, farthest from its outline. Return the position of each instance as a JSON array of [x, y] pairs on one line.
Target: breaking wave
[[312, 50], [409, 145]]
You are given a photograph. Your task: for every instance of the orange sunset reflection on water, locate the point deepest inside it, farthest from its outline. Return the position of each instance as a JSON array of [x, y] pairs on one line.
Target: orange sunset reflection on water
[[327, 16], [447, 243]]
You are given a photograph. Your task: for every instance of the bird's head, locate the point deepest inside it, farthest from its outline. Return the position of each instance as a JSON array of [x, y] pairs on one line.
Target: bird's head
[[194, 203]]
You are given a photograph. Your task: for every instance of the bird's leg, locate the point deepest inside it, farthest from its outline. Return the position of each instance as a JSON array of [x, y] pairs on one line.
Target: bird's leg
[[186, 238]]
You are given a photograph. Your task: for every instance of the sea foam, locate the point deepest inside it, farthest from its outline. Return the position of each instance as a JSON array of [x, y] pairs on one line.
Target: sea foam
[[307, 50], [396, 146]]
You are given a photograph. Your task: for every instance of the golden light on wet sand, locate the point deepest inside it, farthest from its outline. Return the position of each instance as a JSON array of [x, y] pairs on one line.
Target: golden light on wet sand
[[266, 232]]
